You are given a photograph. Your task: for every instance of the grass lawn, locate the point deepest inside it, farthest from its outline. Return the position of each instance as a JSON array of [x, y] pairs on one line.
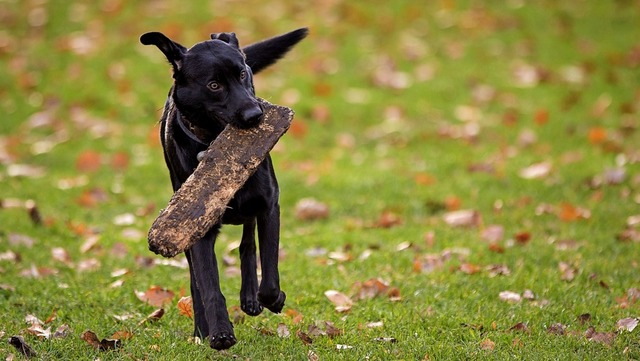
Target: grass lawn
[[479, 162]]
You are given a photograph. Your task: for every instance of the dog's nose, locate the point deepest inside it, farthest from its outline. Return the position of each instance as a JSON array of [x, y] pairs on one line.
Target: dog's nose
[[252, 115]]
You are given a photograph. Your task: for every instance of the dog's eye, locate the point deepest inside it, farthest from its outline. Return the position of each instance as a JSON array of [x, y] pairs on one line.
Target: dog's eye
[[214, 85], [243, 75]]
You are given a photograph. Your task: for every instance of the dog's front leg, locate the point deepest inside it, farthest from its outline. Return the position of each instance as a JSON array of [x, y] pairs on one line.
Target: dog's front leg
[[201, 327], [269, 294], [248, 264], [205, 269]]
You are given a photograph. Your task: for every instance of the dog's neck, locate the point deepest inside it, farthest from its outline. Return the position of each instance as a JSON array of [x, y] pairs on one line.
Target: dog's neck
[[197, 134]]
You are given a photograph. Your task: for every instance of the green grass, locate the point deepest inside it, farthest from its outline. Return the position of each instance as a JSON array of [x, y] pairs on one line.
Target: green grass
[[376, 149]]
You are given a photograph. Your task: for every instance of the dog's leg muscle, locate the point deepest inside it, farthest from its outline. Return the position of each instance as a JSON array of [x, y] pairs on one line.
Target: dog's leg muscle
[[205, 270], [249, 289], [269, 294]]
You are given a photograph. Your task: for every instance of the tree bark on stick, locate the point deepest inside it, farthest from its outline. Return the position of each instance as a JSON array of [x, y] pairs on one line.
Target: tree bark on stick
[[225, 166]]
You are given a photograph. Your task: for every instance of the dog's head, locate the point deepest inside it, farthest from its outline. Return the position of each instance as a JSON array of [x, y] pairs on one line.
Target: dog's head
[[213, 83]]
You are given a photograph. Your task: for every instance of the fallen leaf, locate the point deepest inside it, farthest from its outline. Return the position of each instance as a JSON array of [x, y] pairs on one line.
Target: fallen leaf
[[470, 268], [520, 327], [341, 301], [283, 331], [88, 161], [511, 297], [388, 219], [185, 306], [331, 330], [567, 271], [377, 324], [462, 218], [493, 233], [153, 316], [628, 324], [343, 347], [584, 318], [103, 345], [305, 338], [312, 356], [155, 296], [62, 331], [22, 347], [386, 339], [556, 329], [309, 209], [536, 171], [605, 338], [122, 335], [487, 345]]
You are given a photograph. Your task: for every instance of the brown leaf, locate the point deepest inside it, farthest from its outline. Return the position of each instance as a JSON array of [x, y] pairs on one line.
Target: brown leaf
[[536, 171], [487, 345], [342, 302], [103, 345], [520, 327], [511, 297], [605, 338], [62, 331], [305, 338], [584, 318], [283, 331], [155, 296], [628, 324], [122, 335], [388, 219], [185, 306], [556, 329], [493, 233], [470, 268], [331, 330], [296, 317], [88, 161], [153, 316], [22, 347], [462, 218], [308, 209], [567, 271]]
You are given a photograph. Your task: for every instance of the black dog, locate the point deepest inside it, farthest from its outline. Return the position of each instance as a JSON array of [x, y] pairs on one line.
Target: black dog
[[213, 87]]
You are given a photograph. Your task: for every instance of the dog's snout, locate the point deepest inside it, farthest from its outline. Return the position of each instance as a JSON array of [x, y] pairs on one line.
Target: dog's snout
[[252, 115]]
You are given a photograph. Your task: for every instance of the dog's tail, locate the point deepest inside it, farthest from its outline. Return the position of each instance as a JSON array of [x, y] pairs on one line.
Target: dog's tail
[[264, 53]]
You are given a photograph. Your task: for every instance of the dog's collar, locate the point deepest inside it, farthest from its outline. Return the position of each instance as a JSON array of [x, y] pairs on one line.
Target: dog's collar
[[192, 131]]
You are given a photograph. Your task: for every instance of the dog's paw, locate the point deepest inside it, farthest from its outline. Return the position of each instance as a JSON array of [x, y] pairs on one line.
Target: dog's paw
[[272, 305], [251, 307], [222, 340]]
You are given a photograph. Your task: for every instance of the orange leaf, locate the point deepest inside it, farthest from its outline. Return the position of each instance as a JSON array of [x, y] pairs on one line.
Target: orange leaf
[[541, 116], [424, 179], [156, 296], [120, 161], [185, 306], [597, 135], [470, 268], [88, 161]]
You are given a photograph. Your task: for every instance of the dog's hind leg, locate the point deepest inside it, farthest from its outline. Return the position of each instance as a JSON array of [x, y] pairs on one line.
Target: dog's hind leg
[[249, 289], [205, 269], [269, 294]]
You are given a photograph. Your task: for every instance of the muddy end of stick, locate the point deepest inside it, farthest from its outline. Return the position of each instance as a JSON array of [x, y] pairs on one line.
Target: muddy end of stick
[[225, 166]]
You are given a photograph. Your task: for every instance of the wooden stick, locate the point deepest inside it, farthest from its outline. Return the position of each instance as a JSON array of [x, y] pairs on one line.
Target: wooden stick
[[225, 166]]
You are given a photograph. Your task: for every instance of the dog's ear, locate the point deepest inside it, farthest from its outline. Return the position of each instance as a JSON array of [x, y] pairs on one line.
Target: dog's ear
[[172, 50], [262, 54], [229, 38]]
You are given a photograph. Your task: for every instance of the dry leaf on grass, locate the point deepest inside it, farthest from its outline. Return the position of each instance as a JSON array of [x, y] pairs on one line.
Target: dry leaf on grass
[[103, 345], [155, 296], [19, 343], [342, 302], [628, 324], [185, 306]]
